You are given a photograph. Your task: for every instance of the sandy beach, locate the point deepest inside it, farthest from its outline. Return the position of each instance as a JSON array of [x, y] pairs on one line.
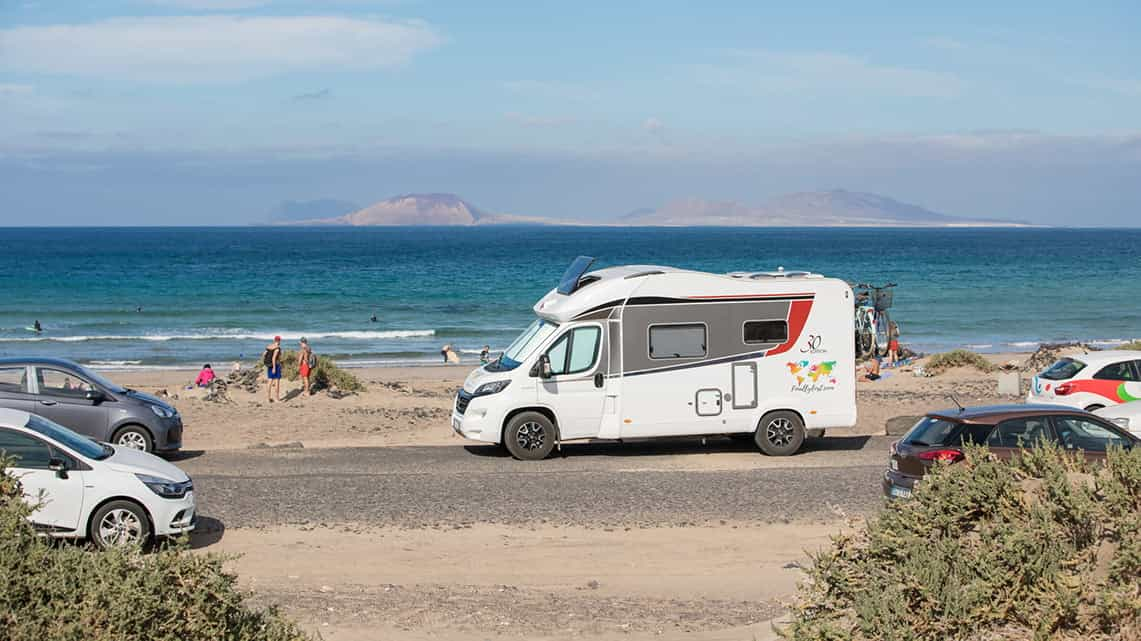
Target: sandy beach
[[353, 577]]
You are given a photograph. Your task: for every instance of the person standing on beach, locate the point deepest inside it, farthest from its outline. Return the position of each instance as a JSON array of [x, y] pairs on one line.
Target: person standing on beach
[[272, 361], [306, 361], [893, 345], [444, 352]]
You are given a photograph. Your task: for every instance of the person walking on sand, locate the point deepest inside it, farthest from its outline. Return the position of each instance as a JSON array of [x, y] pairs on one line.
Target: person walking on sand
[[306, 361], [272, 361]]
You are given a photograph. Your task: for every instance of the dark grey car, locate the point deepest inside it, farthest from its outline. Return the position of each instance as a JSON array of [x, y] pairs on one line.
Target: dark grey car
[[76, 397]]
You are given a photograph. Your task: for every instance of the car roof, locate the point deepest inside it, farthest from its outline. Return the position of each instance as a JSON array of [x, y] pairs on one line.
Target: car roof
[[13, 418], [1106, 356], [991, 413], [38, 360]]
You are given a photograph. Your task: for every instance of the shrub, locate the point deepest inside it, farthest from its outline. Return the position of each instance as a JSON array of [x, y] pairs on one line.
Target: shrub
[[1043, 548], [327, 375], [1134, 345], [958, 358], [57, 592]]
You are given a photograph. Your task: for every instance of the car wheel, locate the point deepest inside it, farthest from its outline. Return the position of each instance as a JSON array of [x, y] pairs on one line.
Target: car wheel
[[529, 436], [120, 524], [780, 433], [1095, 406], [134, 438]]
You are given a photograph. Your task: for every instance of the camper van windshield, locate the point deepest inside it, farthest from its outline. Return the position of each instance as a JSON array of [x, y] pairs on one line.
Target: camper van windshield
[[522, 347]]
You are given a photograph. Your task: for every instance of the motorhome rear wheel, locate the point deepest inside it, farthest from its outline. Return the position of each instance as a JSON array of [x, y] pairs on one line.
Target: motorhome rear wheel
[[780, 433]]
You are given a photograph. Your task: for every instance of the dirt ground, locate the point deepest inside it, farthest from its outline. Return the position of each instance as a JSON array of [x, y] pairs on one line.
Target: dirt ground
[[356, 583]]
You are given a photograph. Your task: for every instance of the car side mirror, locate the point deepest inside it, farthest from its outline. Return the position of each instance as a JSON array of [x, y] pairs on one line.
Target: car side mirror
[[542, 367], [95, 395], [59, 466]]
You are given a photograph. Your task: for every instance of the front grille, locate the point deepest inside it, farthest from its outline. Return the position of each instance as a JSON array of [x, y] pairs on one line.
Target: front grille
[[462, 400]]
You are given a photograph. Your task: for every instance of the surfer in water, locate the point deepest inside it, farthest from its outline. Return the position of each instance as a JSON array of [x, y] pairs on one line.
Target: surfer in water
[[372, 319], [36, 327]]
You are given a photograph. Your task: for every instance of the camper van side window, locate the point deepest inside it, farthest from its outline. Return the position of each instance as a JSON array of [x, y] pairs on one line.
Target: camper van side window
[[677, 341], [774, 331]]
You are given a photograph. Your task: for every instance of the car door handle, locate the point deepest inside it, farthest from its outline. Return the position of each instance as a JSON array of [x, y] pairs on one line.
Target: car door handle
[[47, 402]]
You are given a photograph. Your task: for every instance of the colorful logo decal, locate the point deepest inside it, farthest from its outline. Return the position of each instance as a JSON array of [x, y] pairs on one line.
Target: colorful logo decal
[[813, 345], [1112, 390], [812, 377]]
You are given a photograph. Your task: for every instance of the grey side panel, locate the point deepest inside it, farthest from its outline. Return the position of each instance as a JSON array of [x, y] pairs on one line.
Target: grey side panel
[[724, 337]]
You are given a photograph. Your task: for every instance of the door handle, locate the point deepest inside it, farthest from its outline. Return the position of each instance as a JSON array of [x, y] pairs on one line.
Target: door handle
[[599, 379], [47, 402]]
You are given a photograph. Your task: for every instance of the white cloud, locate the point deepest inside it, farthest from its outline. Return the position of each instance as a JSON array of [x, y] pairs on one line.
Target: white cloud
[[212, 5], [205, 49], [824, 73]]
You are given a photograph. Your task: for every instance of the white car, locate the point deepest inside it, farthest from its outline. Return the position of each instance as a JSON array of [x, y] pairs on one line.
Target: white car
[[1126, 415], [1090, 381], [109, 494]]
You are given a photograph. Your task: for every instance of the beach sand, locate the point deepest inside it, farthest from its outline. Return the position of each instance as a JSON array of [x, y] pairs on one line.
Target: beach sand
[[412, 406]]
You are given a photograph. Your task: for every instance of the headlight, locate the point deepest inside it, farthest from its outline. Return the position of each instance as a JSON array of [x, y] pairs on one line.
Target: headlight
[[165, 488], [494, 387], [161, 411], [1121, 421]]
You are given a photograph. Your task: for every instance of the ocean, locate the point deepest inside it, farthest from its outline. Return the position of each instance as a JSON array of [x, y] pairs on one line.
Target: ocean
[[171, 297]]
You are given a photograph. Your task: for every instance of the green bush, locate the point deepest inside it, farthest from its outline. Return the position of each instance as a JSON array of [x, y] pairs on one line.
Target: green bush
[[327, 375], [1134, 345], [1044, 548], [958, 358], [63, 592]]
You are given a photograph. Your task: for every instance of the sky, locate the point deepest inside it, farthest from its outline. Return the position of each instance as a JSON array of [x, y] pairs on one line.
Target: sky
[[184, 112]]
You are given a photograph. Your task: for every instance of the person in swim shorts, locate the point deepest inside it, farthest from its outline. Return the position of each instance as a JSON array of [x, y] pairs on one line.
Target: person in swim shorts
[[272, 361], [304, 357]]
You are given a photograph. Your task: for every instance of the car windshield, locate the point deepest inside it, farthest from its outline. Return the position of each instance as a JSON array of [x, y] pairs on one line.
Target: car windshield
[[522, 347], [1063, 369], [937, 431], [99, 380], [69, 439]]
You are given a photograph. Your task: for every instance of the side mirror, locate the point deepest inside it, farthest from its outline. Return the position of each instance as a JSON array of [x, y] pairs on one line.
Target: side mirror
[[542, 367], [59, 466], [95, 395]]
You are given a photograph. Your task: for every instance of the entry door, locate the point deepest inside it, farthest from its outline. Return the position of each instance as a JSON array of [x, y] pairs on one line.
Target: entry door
[[576, 390], [62, 399], [60, 500]]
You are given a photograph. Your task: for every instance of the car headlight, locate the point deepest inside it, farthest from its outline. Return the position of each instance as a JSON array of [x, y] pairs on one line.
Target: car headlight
[[165, 488], [494, 387], [161, 411], [1121, 421]]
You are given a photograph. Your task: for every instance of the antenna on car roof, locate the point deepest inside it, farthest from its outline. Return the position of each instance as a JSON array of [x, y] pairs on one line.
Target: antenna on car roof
[[956, 402]]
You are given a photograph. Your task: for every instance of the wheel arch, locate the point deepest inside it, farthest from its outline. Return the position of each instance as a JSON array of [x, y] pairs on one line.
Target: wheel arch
[[771, 410], [541, 409], [111, 499]]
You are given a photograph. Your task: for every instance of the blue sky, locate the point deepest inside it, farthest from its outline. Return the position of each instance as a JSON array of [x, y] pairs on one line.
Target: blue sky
[[214, 111]]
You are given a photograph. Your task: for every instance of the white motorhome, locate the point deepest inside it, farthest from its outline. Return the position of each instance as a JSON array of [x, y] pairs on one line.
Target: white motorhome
[[642, 351]]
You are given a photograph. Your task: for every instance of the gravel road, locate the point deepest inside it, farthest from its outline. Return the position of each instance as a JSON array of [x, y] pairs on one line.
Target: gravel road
[[594, 485]]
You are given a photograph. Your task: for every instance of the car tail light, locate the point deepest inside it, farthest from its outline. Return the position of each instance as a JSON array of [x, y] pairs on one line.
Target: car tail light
[[1063, 389], [943, 456]]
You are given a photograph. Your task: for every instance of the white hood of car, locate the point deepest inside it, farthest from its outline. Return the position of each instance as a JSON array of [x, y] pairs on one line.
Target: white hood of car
[[131, 461]]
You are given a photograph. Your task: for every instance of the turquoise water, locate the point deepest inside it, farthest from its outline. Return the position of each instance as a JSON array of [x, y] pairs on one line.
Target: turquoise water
[[217, 294]]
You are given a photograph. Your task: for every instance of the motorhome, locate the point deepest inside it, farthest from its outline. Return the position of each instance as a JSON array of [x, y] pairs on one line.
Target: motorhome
[[640, 351]]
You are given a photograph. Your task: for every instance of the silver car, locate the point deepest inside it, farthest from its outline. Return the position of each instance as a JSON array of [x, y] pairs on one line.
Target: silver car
[[75, 397]]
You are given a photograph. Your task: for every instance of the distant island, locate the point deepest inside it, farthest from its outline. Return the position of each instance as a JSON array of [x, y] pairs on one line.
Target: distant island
[[834, 208]]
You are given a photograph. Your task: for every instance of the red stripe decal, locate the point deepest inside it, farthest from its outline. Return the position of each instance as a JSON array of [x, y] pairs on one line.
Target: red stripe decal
[[749, 296], [797, 319]]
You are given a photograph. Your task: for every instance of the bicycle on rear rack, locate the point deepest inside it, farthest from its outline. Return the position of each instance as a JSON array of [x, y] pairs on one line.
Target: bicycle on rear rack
[[873, 328]]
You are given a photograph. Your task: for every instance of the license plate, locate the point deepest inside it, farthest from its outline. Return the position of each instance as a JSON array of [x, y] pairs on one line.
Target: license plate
[[900, 492]]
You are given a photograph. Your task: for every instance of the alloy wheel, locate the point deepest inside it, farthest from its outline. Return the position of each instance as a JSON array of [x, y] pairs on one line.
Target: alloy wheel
[[132, 440], [120, 527], [779, 432], [530, 436]]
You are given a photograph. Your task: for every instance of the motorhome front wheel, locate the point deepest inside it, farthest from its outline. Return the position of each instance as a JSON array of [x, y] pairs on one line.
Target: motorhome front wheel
[[780, 433], [529, 436]]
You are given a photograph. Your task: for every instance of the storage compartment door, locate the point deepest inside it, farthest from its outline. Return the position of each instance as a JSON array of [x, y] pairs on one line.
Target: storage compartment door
[[708, 402], [744, 386]]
